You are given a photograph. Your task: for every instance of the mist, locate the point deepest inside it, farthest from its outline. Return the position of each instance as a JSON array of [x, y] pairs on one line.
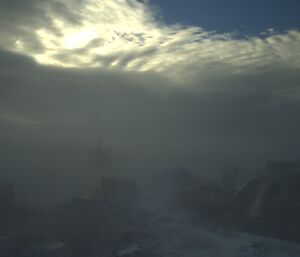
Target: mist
[[51, 118], [124, 135]]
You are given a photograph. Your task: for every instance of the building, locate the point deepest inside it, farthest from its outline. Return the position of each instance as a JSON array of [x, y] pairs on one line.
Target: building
[[117, 188], [229, 178], [175, 179], [7, 199]]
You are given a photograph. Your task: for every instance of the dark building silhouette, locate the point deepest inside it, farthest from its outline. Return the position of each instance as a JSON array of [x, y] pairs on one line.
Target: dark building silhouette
[[7, 199], [178, 178], [229, 178], [117, 188]]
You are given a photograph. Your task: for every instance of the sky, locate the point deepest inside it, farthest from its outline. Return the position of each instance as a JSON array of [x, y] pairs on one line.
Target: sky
[[162, 84], [245, 17]]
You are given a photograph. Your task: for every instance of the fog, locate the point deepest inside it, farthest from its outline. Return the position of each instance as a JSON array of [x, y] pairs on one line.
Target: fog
[[123, 135], [51, 118]]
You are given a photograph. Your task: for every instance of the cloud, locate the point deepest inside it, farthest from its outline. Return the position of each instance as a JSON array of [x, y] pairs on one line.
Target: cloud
[[67, 60], [127, 35]]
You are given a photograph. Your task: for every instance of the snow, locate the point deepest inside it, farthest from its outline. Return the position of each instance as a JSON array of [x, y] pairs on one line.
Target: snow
[[128, 250], [180, 238], [186, 240]]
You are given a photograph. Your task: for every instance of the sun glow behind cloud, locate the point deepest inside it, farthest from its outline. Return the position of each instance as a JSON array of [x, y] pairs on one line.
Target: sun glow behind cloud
[[125, 34], [79, 39]]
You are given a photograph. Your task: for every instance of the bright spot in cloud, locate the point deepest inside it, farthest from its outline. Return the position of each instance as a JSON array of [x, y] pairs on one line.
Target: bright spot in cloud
[[79, 39]]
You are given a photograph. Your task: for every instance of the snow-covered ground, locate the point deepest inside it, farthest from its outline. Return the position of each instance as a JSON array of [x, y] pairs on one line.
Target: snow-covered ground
[[178, 237]]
